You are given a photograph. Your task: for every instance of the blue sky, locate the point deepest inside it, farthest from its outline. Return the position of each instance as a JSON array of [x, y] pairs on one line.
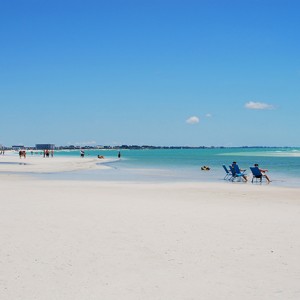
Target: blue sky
[[150, 72]]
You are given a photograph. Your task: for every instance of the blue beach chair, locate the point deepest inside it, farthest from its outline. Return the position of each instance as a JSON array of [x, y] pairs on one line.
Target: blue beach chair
[[236, 172], [228, 175], [256, 174]]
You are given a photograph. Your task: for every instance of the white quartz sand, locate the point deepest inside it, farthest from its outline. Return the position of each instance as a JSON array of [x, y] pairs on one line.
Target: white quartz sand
[[85, 240], [40, 164]]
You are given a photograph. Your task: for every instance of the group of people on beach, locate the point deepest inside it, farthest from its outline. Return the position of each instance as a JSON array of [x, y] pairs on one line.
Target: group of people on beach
[[22, 153], [82, 154], [47, 153], [242, 171]]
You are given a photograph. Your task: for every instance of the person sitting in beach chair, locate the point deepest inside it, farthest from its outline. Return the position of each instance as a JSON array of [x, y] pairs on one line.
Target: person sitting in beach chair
[[259, 173], [237, 172]]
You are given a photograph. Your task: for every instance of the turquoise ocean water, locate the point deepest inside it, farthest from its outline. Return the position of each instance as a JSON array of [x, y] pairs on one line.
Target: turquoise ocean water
[[185, 164]]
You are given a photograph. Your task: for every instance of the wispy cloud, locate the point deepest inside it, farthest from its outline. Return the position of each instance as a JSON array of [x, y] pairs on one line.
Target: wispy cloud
[[208, 115], [192, 120], [258, 105]]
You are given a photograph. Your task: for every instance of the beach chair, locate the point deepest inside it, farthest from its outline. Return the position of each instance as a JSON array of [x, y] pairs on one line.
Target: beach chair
[[256, 174], [228, 175], [236, 172]]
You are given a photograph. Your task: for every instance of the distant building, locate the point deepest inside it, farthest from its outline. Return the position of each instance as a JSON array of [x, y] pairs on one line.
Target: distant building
[[45, 146], [17, 147]]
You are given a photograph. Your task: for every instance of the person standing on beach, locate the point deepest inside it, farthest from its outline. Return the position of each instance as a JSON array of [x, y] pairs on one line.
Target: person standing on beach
[[119, 154]]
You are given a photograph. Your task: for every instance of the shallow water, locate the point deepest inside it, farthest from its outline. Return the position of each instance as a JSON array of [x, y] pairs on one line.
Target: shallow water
[[172, 165]]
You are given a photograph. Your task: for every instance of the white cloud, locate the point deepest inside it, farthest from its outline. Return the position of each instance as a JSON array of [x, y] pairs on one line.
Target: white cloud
[[192, 120], [258, 105], [208, 115]]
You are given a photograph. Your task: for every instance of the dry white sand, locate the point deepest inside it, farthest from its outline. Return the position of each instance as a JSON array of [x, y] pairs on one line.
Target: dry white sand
[[40, 164], [99, 240]]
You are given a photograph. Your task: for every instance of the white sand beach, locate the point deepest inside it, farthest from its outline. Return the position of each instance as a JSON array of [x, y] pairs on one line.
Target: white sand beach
[[85, 240], [39, 164]]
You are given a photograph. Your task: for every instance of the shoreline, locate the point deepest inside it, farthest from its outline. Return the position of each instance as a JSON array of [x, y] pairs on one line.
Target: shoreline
[[40, 165]]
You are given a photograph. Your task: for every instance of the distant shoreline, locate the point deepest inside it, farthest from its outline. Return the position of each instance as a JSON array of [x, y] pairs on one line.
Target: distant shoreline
[[144, 147]]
